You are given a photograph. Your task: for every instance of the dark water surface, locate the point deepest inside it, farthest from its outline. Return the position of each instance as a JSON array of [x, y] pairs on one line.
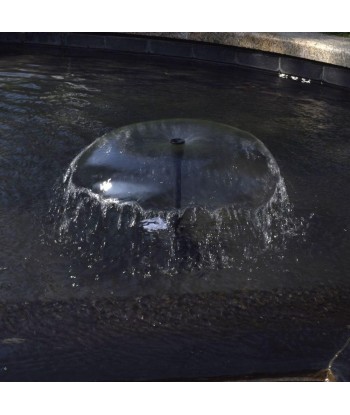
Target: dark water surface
[[279, 313]]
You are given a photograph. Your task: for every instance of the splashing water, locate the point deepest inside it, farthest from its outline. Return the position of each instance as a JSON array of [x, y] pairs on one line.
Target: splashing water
[[105, 229]]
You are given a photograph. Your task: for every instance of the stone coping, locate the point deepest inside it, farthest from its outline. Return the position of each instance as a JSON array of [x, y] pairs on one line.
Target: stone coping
[[304, 57], [318, 47]]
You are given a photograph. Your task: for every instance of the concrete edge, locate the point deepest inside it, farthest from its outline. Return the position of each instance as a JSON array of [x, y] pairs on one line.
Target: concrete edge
[[305, 57], [318, 47]]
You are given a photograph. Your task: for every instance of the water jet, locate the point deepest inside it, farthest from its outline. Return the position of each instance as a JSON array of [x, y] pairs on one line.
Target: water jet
[[210, 187]]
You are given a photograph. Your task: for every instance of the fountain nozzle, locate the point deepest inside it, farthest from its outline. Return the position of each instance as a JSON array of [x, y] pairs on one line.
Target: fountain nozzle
[[177, 141]]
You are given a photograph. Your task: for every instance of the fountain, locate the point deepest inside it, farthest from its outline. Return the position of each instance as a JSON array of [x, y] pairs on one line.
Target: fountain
[[173, 251], [173, 194]]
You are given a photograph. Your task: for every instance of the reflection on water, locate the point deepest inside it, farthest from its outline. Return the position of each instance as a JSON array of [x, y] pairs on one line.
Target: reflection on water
[[288, 305]]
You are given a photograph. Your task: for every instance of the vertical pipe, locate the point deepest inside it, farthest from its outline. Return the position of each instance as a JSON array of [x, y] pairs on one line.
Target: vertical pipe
[[178, 155], [178, 180]]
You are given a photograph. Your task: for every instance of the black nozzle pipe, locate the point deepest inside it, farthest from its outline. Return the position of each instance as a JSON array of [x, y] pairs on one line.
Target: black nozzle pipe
[[178, 162], [177, 141]]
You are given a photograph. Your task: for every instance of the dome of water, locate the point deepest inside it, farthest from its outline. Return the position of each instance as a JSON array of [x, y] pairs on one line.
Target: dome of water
[[166, 195], [178, 163]]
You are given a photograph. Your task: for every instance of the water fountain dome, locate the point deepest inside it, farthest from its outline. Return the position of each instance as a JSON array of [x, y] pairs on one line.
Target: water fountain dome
[[200, 186], [212, 165]]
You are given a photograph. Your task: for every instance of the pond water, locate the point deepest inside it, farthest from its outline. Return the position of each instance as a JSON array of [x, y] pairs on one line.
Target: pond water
[[273, 312]]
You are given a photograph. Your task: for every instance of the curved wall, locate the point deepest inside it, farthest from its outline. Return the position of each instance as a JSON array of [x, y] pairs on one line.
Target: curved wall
[[311, 56]]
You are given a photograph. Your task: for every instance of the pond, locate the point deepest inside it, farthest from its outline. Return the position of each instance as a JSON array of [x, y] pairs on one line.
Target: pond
[[69, 316]]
